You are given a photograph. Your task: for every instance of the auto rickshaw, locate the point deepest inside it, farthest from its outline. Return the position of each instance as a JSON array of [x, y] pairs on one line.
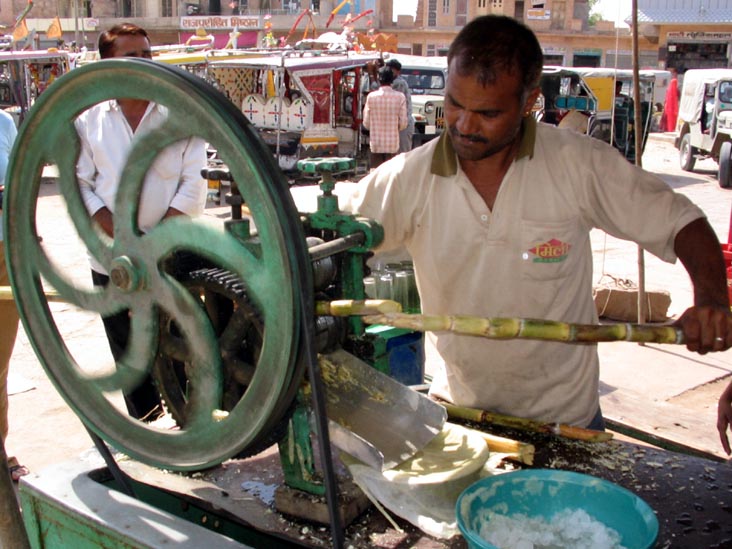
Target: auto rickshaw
[[304, 104], [596, 101], [24, 75]]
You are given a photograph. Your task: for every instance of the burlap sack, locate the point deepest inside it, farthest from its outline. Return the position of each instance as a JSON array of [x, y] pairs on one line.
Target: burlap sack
[[617, 299]]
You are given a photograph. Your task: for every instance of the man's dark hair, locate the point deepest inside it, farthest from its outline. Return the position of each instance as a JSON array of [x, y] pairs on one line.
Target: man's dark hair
[[386, 76], [109, 37], [394, 64], [492, 44]]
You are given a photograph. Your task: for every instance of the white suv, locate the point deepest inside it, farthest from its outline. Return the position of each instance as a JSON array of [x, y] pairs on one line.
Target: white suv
[[704, 124]]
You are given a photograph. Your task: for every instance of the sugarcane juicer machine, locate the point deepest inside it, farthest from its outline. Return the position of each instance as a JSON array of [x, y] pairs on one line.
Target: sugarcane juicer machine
[[222, 315]]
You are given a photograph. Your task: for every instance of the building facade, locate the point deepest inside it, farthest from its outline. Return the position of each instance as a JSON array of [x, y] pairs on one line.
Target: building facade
[[671, 33], [691, 34], [175, 21], [562, 27], [680, 33]]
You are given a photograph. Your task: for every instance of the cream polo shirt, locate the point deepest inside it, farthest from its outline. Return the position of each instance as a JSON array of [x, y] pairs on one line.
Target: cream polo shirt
[[174, 179], [530, 257]]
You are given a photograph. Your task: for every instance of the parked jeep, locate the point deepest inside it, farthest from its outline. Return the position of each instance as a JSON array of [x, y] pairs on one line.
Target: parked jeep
[[704, 124]]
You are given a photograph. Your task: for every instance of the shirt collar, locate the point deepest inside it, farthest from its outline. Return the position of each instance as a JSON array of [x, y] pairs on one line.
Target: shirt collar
[[444, 160]]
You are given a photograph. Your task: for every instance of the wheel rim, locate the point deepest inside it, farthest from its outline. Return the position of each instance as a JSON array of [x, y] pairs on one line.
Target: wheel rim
[[687, 157], [725, 165], [272, 271]]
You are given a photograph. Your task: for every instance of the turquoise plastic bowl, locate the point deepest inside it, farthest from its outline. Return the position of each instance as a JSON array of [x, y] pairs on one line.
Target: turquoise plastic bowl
[[542, 493]]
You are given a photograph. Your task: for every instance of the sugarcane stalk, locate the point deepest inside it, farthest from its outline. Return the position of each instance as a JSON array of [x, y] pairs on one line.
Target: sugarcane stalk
[[530, 328], [6, 294], [483, 416], [522, 452], [359, 307]]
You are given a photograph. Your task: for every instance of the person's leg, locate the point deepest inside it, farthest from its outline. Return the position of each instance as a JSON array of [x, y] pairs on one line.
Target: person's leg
[[145, 398], [405, 140], [8, 332], [598, 422], [376, 159]]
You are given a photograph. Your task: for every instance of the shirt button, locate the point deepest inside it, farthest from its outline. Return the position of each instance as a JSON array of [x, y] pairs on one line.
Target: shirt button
[[484, 217]]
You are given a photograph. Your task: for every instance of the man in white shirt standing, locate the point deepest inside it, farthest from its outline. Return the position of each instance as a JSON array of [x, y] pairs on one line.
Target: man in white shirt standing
[[384, 115], [173, 185]]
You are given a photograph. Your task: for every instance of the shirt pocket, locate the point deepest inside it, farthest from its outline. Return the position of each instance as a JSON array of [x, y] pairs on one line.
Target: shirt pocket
[[549, 249]]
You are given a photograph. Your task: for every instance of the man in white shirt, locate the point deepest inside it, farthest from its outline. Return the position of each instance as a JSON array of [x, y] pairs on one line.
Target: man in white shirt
[[173, 185], [496, 215]]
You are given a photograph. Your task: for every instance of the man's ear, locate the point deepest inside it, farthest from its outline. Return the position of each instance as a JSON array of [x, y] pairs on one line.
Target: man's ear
[[531, 100]]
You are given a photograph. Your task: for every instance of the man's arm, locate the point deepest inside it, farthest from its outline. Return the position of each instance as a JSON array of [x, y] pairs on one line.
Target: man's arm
[[86, 172], [403, 120], [9, 132], [724, 417], [367, 114], [190, 197], [707, 325]]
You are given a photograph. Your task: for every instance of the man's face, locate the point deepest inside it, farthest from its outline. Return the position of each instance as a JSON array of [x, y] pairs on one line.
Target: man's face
[[132, 46], [483, 120]]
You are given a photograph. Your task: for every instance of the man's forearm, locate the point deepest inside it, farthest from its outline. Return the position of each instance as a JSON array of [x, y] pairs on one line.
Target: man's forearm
[[698, 248]]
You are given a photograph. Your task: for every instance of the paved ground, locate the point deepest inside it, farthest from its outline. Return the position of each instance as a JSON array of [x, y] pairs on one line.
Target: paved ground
[[45, 431]]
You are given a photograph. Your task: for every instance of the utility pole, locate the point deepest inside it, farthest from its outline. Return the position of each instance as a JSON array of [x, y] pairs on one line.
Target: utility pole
[[76, 23]]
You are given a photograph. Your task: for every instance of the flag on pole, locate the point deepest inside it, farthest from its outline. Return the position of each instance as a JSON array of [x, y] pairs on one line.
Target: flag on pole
[[20, 31], [54, 29]]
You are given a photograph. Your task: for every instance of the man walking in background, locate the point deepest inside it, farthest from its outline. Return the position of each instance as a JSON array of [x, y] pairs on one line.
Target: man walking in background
[[384, 115]]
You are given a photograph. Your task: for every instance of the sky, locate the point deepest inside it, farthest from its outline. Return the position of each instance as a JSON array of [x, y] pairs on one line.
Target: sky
[[614, 10], [611, 10]]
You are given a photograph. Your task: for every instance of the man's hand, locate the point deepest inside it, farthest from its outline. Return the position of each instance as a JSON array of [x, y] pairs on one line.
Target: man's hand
[[172, 212], [706, 328], [724, 417], [105, 220]]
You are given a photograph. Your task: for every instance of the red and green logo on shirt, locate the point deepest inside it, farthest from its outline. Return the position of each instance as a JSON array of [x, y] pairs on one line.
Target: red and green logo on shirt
[[552, 251]]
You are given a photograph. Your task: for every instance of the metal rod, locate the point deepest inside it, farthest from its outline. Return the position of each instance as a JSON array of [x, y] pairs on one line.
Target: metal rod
[[321, 429], [638, 135], [336, 246], [119, 475]]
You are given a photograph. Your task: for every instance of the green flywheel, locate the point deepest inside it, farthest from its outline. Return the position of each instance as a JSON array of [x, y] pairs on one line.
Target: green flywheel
[[272, 264]]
